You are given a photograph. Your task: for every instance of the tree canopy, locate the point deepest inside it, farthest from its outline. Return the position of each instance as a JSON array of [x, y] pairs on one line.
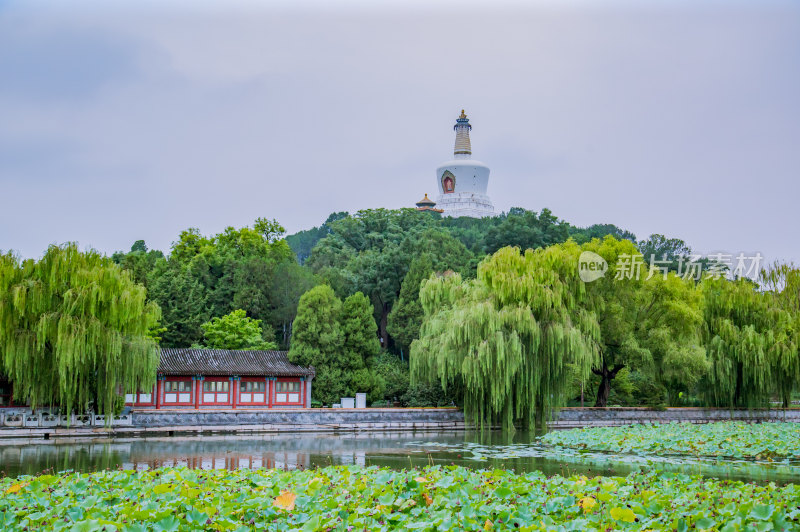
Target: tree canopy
[[340, 341], [235, 331], [74, 329], [205, 277], [753, 340], [656, 337], [649, 321], [528, 324], [508, 337]]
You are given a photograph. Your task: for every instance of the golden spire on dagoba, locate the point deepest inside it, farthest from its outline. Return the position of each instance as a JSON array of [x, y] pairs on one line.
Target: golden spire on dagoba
[[463, 149]]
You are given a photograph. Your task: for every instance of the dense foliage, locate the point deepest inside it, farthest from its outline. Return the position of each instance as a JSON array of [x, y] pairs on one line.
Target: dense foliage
[[753, 342], [655, 340], [206, 277], [235, 331], [355, 498], [509, 336], [724, 439], [384, 254], [75, 329], [339, 340], [649, 322], [528, 325]]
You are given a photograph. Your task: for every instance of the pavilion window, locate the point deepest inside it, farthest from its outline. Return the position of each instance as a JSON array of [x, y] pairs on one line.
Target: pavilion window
[[146, 397], [252, 391], [287, 392], [178, 391], [178, 386], [289, 386], [215, 391], [139, 397]]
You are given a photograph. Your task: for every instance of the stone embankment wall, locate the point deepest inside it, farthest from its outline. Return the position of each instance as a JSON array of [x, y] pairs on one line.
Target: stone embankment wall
[[155, 422], [312, 419], [613, 416]]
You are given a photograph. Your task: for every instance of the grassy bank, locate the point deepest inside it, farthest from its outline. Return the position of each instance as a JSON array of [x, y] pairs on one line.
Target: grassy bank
[[760, 441], [356, 498]]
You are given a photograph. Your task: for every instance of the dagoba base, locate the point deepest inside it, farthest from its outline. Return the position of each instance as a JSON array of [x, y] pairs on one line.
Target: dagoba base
[[468, 204]]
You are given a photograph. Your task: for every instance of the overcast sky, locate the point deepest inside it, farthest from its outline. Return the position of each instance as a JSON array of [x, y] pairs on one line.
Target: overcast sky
[[140, 120]]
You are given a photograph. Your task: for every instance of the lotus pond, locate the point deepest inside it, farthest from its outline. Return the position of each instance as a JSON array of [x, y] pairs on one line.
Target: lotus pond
[[357, 498], [522, 452], [770, 441], [726, 476]]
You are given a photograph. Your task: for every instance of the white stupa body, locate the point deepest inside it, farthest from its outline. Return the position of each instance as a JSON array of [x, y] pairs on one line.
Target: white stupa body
[[463, 181]]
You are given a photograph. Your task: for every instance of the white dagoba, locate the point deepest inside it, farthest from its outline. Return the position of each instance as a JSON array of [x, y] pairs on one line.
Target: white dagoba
[[463, 181]]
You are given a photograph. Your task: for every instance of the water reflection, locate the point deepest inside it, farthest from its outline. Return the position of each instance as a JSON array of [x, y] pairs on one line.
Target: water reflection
[[519, 452]]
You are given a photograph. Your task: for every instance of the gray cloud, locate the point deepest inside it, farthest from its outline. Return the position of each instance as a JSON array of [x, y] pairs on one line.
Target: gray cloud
[[681, 119], [59, 64]]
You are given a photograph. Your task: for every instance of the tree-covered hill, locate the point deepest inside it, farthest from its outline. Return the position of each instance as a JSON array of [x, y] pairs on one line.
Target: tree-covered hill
[[677, 341]]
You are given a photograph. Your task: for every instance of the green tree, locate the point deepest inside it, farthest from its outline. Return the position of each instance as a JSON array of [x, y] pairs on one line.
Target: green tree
[[509, 337], [599, 231], [781, 282], [270, 230], [648, 322], [317, 341], [207, 277], [470, 231], [394, 373], [183, 301], [289, 282], [669, 253], [752, 342], [303, 242], [139, 261], [405, 319], [371, 251], [75, 328], [360, 347], [340, 341], [190, 243], [235, 331], [526, 230]]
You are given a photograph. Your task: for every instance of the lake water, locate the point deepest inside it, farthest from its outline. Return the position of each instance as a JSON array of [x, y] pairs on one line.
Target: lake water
[[406, 449]]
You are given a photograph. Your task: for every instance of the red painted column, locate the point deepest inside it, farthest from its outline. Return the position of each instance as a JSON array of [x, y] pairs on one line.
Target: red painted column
[[159, 387], [269, 393], [196, 384], [235, 392]]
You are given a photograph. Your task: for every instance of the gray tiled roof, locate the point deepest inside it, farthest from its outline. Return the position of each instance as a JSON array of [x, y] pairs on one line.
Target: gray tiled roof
[[228, 362]]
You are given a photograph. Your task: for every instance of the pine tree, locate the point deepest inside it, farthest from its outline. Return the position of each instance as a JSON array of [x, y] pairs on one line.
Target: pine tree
[[183, 302], [360, 347], [317, 341], [74, 328], [405, 319]]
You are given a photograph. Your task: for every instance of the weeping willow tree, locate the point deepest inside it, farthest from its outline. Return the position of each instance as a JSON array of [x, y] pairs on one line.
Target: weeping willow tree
[[74, 329], [781, 282], [650, 323], [510, 337], [752, 338]]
